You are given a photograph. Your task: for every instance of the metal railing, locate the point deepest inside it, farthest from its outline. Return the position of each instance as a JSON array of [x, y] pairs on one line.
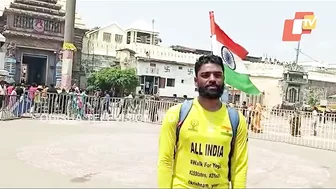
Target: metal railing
[[299, 128]]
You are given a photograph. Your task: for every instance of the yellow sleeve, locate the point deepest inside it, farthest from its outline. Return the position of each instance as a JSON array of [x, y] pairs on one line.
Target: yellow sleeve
[[167, 142], [239, 161]]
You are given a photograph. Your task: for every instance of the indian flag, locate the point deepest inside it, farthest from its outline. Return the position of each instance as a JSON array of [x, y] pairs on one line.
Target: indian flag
[[236, 74], [226, 130]]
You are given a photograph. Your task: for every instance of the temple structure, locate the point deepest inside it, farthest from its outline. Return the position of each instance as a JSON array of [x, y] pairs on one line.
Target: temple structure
[[294, 81], [34, 31]]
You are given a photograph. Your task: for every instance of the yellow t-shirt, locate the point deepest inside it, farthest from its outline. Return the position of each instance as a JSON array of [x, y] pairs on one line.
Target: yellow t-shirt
[[203, 150]]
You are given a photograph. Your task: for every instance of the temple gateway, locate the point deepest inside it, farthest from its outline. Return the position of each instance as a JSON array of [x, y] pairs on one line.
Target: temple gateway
[[34, 32]]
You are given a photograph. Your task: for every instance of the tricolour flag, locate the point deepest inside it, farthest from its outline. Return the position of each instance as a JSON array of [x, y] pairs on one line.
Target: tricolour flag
[[236, 74]]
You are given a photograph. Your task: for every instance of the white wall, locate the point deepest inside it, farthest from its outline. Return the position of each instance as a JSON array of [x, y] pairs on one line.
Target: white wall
[[268, 70], [186, 74], [271, 88], [156, 52], [322, 77], [94, 44]]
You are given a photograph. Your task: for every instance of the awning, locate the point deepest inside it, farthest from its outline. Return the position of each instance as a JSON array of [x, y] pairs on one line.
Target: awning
[[332, 96], [69, 46]]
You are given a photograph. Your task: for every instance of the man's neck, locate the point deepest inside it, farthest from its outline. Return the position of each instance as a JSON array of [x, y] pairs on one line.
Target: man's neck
[[211, 105]]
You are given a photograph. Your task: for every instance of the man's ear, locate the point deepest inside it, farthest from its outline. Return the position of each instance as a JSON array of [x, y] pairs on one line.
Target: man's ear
[[195, 80]]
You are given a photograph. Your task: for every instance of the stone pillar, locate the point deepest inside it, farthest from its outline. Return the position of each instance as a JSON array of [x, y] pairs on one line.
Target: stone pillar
[[68, 53]]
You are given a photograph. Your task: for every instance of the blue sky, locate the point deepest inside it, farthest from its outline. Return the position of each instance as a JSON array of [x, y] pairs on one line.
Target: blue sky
[[256, 25]]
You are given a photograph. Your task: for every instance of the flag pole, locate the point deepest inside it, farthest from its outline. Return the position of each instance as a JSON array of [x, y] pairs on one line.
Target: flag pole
[[225, 96], [212, 28], [233, 95], [297, 52]]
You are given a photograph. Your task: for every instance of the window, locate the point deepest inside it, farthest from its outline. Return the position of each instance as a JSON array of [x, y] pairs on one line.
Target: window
[[182, 81], [107, 37], [128, 37], [162, 83], [118, 38], [142, 80], [143, 39], [180, 67], [152, 65], [196, 89], [170, 82]]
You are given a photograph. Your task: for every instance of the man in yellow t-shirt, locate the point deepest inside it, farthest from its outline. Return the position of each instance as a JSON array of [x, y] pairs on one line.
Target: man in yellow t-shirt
[[199, 156]]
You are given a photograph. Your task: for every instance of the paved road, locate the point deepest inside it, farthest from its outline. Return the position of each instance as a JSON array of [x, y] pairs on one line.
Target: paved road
[[123, 154]]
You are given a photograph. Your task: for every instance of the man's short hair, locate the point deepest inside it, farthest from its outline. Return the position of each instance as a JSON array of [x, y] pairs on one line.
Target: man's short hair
[[206, 59]]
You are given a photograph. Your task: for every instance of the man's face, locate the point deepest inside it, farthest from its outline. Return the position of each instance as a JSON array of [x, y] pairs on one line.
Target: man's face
[[209, 81]]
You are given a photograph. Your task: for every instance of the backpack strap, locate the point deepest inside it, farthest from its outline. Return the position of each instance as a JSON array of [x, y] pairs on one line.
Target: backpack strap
[[184, 111], [234, 119]]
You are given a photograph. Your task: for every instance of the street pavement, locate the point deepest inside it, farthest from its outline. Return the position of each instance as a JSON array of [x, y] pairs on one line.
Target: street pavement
[[56, 153]]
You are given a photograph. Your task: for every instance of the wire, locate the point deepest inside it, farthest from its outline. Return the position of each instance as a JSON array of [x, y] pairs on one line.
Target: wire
[[308, 56]]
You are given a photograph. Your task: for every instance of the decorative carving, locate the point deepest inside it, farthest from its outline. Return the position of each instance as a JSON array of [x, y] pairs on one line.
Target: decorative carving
[[297, 80], [190, 71], [152, 70], [5, 27], [60, 54], [52, 26], [294, 77], [23, 22], [167, 69], [38, 25], [11, 50], [293, 68]]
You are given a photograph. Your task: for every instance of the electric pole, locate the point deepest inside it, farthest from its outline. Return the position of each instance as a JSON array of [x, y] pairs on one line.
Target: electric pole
[[297, 53], [68, 46]]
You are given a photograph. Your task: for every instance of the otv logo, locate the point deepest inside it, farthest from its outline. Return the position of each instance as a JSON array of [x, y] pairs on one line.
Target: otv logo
[[303, 23]]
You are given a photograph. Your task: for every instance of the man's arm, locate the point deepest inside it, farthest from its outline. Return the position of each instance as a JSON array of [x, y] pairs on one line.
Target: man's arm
[[239, 159], [166, 147]]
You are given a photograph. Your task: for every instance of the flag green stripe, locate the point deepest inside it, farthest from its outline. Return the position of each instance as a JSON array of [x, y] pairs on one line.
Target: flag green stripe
[[240, 81]]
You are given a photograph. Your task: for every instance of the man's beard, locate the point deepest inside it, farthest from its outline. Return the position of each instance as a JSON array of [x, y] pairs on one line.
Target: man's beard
[[208, 93]]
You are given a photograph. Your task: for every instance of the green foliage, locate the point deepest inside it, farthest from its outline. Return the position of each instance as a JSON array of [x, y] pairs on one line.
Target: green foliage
[[108, 78], [312, 98]]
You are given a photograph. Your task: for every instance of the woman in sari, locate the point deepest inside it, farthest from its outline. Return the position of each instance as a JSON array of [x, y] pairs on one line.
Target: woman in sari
[[78, 104], [12, 97], [256, 126]]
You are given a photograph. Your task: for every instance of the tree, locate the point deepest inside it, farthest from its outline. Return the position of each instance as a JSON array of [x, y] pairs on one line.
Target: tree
[[312, 98], [116, 78]]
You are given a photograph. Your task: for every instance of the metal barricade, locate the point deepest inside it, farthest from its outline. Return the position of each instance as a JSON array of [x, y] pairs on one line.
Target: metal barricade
[[71, 106], [294, 127], [10, 107], [287, 126]]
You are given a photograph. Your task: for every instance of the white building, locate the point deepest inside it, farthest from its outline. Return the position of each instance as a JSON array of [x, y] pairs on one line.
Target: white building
[[267, 76], [160, 69], [170, 70]]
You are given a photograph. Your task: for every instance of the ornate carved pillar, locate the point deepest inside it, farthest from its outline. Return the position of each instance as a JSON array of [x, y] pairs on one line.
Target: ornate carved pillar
[[297, 95], [58, 74], [10, 61]]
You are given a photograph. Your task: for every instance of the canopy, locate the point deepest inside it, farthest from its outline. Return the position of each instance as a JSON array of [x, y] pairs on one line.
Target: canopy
[[332, 96]]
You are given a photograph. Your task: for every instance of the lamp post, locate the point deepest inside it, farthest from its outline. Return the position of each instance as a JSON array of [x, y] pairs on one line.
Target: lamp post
[[68, 46]]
